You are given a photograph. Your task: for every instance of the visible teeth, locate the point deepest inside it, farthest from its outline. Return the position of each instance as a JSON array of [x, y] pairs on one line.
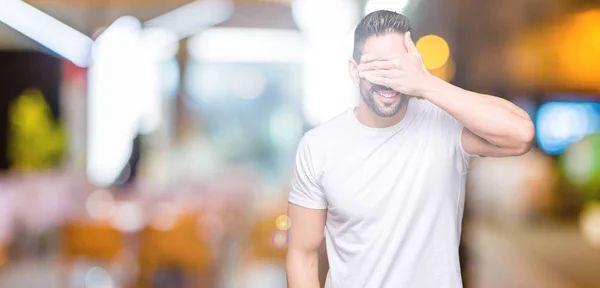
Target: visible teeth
[[387, 94]]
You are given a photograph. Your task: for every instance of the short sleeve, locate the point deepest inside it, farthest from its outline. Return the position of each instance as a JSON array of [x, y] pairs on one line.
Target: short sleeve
[[305, 189], [454, 130]]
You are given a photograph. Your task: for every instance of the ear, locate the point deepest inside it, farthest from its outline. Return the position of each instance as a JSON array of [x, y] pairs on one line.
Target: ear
[[353, 70], [410, 45]]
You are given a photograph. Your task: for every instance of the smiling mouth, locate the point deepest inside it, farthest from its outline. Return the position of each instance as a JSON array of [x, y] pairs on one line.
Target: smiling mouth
[[385, 91]]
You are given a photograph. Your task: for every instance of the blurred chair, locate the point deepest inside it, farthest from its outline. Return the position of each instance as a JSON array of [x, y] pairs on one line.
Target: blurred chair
[[90, 240], [263, 260], [96, 240], [3, 255], [268, 234], [183, 246], [263, 243]]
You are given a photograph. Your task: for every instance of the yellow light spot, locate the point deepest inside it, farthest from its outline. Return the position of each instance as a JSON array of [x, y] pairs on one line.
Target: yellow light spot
[[283, 223], [435, 51], [589, 223], [576, 51], [445, 72]]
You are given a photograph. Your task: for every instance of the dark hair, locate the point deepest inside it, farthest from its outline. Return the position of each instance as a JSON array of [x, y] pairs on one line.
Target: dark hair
[[376, 24]]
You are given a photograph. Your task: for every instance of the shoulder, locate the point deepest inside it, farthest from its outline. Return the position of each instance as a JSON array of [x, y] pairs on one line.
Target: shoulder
[[425, 107], [317, 143], [321, 135]]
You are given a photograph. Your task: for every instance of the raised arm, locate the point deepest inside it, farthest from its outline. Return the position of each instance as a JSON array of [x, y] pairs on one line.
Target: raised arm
[[494, 126], [306, 235]]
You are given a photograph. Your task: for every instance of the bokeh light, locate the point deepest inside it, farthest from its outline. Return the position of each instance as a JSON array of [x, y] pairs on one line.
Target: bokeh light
[[164, 216], [100, 205], [581, 164], [545, 57], [560, 124], [279, 239], [283, 222], [590, 224], [98, 277], [435, 51], [446, 72], [128, 217], [576, 52]]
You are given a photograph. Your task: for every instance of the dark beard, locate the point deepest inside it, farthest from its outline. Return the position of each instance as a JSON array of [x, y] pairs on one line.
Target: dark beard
[[381, 109]]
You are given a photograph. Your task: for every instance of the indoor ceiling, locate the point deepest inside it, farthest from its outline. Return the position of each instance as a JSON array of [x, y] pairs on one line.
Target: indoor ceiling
[[87, 16], [84, 18]]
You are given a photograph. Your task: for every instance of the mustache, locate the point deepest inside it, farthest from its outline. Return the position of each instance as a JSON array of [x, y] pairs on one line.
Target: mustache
[[377, 88]]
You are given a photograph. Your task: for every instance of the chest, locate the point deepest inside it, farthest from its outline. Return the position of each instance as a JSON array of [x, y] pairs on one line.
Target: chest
[[370, 178]]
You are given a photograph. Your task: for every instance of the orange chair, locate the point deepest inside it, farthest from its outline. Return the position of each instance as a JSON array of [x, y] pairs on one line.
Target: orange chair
[[96, 241], [266, 242], [183, 245], [3, 256], [264, 246]]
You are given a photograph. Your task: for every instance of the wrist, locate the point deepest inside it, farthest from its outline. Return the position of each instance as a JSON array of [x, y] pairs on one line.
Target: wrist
[[432, 86]]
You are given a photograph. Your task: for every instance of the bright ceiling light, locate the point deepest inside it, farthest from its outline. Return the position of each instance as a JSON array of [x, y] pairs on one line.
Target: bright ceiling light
[[113, 75], [189, 19], [46, 30], [158, 44]]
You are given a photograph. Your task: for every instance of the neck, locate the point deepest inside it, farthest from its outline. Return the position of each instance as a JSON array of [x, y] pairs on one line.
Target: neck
[[367, 117]]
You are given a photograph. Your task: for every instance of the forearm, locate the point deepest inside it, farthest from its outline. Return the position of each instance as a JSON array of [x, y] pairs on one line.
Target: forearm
[[303, 269], [494, 119]]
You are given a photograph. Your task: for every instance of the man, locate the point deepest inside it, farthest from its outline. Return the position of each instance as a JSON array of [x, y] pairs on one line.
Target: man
[[384, 182]]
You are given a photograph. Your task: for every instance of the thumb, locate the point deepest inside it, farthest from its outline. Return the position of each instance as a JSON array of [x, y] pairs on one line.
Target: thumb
[[410, 45]]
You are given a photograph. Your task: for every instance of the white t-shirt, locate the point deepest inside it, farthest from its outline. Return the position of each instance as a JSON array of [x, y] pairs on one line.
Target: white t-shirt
[[394, 197]]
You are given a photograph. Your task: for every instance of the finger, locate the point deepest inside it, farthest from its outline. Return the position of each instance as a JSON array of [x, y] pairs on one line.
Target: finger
[[374, 57], [379, 80], [379, 65], [410, 45], [379, 73]]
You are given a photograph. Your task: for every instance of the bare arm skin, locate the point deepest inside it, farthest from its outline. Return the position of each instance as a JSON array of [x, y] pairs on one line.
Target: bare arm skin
[[306, 234]]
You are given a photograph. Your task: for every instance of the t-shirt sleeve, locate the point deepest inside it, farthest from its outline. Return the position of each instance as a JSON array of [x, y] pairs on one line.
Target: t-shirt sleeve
[[305, 189]]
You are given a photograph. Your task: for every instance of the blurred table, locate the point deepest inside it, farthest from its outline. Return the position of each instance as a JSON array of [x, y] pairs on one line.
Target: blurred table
[[542, 255]]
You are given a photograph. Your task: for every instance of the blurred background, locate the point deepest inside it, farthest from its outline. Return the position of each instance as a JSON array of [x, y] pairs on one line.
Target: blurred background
[[149, 143]]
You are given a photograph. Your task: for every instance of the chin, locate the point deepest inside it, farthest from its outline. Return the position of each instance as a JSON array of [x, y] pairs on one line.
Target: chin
[[388, 111]]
